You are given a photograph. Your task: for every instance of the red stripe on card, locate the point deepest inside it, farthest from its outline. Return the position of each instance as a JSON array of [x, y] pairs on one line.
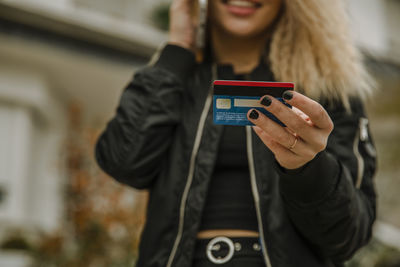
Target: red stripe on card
[[251, 83]]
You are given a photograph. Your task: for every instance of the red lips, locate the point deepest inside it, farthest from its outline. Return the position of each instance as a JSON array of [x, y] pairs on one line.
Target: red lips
[[242, 7]]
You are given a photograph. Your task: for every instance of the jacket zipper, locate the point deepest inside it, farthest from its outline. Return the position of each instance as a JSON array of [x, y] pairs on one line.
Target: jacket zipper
[[361, 135], [189, 179], [256, 194]]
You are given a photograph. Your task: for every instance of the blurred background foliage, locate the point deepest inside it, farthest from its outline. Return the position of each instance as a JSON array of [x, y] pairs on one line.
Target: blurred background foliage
[[376, 254], [103, 219], [160, 16]]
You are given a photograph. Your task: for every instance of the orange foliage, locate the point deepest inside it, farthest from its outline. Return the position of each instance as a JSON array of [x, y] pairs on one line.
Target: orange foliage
[[103, 219]]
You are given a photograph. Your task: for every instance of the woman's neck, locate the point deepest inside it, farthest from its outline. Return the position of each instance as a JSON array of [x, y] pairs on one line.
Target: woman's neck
[[243, 53]]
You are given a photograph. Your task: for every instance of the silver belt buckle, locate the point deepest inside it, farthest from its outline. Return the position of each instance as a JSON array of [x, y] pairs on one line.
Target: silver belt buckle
[[213, 246]]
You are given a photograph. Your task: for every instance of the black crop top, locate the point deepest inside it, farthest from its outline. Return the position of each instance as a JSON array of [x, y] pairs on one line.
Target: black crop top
[[230, 203]]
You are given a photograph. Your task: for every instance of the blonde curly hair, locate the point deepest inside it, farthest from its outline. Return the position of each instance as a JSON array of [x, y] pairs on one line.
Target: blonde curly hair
[[312, 46]]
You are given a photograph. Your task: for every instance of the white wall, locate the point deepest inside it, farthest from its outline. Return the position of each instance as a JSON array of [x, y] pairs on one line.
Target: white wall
[[31, 137], [15, 150]]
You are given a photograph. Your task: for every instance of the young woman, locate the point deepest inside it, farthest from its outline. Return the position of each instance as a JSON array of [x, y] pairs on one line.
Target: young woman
[[249, 196]]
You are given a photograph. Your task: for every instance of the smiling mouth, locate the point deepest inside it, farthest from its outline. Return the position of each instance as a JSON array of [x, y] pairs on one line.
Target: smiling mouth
[[242, 3]]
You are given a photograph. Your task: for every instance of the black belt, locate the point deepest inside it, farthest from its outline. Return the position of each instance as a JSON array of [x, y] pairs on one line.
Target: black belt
[[222, 249]]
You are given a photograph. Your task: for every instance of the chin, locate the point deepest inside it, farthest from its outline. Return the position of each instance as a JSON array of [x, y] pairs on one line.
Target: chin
[[243, 29]]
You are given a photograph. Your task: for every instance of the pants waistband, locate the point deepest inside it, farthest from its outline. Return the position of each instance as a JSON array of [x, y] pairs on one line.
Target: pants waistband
[[221, 247]]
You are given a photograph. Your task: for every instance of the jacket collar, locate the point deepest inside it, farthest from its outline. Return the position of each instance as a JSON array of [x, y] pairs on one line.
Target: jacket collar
[[261, 72]]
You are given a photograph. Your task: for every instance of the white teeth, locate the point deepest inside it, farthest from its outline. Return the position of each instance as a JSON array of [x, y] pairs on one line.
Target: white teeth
[[241, 3]]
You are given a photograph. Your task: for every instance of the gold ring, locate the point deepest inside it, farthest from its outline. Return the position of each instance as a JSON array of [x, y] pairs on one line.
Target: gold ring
[[295, 142]]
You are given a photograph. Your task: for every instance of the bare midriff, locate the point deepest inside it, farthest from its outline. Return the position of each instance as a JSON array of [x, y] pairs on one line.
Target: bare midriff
[[227, 232]]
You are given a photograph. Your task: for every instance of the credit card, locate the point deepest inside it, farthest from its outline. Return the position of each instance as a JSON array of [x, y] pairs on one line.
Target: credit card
[[233, 99]]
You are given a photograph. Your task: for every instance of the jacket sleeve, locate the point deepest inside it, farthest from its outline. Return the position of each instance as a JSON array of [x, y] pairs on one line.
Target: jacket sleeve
[[137, 138], [332, 200]]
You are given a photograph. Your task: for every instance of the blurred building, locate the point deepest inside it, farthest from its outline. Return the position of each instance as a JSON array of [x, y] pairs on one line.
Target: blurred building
[[53, 53], [56, 52]]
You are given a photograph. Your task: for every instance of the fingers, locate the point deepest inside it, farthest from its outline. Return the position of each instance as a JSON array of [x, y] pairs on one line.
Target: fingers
[[313, 109], [306, 134], [181, 27], [275, 147], [290, 118], [274, 131], [302, 115], [285, 157]]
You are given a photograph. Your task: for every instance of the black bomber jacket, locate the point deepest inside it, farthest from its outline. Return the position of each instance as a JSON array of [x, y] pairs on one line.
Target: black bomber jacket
[[162, 138]]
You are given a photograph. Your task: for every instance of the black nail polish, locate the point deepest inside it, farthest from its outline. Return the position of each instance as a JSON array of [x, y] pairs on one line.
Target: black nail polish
[[287, 95], [266, 101], [253, 114]]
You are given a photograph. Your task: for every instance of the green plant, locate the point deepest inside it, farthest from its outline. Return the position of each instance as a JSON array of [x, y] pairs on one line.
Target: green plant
[[160, 16]]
